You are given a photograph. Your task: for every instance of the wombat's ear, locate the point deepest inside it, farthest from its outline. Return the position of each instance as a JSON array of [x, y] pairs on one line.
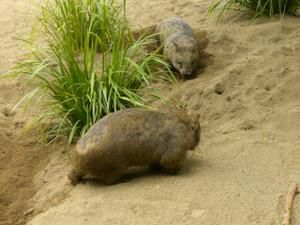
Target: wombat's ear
[[194, 126], [183, 107], [202, 40], [175, 45], [194, 120]]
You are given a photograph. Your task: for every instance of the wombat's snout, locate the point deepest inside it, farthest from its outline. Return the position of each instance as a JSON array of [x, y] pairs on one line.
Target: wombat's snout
[[186, 72], [187, 69]]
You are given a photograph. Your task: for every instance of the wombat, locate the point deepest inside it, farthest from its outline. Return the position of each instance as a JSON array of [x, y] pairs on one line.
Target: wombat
[[180, 45], [134, 137]]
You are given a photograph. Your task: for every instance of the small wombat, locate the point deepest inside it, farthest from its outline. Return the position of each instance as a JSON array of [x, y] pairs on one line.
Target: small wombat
[[134, 137], [180, 45]]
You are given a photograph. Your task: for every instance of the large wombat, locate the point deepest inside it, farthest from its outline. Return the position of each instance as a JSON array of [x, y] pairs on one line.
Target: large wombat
[[134, 137], [180, 45]]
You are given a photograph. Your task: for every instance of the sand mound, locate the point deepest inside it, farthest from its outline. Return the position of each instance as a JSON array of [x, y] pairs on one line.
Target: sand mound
[[249, 100]]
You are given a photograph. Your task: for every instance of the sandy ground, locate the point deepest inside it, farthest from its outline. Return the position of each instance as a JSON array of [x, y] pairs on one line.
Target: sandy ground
[[249, 100], [20, 157]]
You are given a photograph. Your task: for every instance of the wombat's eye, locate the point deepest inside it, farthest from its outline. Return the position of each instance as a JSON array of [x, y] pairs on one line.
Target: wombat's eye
[[179, 64], [195, 126]]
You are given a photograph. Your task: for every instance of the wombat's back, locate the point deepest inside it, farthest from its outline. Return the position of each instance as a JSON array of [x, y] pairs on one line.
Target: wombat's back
[[134, 129], [126, 128], [174, 26]]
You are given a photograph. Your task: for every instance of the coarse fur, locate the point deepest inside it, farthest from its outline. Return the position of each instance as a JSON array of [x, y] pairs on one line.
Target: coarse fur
[[134, 137], [180, 45]]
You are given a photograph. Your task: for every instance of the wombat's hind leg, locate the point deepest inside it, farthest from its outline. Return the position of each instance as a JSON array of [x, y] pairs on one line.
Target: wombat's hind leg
[[75, 177], [112, 180], [172, 161], [155, 166], [114, 174]]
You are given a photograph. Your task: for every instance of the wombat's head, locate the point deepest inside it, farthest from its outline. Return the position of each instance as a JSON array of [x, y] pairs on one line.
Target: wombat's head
[[191, 120], [185, 57]]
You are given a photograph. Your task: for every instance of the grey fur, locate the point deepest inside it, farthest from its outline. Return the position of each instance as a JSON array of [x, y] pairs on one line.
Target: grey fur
[[180, 45]]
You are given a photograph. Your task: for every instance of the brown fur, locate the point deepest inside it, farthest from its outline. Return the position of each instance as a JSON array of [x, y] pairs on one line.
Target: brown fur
[[134, 137], [180, 45]]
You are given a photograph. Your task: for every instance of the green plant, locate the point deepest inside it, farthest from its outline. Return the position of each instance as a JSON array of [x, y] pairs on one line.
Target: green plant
[[73, 19], [257, 7], [81, 76]]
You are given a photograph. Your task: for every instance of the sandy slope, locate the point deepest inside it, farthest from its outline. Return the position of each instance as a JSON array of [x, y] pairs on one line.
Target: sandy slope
[[249, 100], [20, 158]]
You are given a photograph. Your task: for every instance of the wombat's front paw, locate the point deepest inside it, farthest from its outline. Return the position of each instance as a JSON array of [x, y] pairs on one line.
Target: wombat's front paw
[[173, 171], [112, 180], [155, 167], [74, 178]]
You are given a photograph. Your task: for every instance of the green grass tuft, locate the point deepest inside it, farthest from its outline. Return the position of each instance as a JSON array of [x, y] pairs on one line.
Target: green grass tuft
[[257, 7], [90, 65], [73, 19]]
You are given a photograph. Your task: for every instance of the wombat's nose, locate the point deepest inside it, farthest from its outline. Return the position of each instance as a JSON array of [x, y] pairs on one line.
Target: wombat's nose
[[187, 72]]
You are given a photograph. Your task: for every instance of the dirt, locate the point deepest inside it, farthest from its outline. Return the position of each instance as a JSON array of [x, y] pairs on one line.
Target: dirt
[[19, 164], [21, 156], [249, 101]]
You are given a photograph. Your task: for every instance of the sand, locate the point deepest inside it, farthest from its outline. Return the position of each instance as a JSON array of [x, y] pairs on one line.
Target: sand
[[249, 101]]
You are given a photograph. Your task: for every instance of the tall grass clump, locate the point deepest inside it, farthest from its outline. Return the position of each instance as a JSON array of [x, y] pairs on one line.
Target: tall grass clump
[[73, 19], [257, 7], [88, 66]]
